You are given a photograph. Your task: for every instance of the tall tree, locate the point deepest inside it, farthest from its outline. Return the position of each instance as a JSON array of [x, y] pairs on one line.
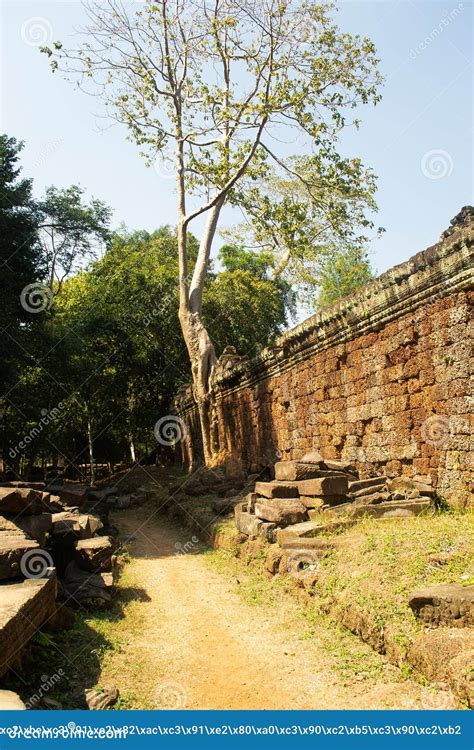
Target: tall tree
[[214, 84], [71, 231]]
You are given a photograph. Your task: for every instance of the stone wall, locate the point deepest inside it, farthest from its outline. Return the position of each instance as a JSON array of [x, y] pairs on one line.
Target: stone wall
[[381, 379]]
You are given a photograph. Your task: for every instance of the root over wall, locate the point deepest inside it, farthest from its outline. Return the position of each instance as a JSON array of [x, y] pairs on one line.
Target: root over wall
[[382, 379]]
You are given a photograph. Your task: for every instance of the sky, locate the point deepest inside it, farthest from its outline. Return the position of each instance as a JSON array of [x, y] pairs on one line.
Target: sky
[[418, 139]]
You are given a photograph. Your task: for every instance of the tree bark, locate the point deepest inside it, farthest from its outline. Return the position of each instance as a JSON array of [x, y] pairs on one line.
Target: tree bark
[[91, 451]]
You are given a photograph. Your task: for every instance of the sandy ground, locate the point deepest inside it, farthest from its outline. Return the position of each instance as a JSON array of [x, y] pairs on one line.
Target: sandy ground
[[189, 640]]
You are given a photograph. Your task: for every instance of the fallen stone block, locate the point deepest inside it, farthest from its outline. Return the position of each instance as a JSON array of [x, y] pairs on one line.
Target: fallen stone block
[[311, 502], [24, 607], [94, 554], [310, 529], [343, 466], [432, 652], [28, 485], [444, 604], [406, 487], [272, 560], [70, 494], [98, 700], [392, 509], [313, 457], [317, 544], [325, 486], [363, 484], [373, 499], [291, 471], [12, 549], [277, 489], [268, 532], [248, 524], [461, 676], [14, 501], [80, 587], [74, 526], [281, 512], [31, 527], [10, 701]]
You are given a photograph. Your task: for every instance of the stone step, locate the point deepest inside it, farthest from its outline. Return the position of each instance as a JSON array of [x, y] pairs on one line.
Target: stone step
[[12, 549], [24, 607], [323, 487], [277, 489], [444, 604], [281, 512]]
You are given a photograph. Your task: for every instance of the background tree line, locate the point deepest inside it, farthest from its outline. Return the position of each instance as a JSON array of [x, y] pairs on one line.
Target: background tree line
[[92, 353]]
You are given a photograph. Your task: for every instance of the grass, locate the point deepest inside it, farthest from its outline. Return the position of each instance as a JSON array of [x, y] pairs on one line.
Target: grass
[[380, 563]]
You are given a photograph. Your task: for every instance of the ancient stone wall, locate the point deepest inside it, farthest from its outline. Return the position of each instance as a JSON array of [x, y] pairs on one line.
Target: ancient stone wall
[[382, 379]]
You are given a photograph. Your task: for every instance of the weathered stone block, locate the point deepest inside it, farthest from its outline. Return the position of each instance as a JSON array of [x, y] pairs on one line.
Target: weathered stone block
[[12, 549], [15, 500], [366, 486], [248, 524], [32, 527], [325, 486], [291, 471], [94, 554], [277, 489], [281, 512], [24, 607], [268, 532], [393, 509], [432, 652], [444, 604], [309, 529], [80, 587]]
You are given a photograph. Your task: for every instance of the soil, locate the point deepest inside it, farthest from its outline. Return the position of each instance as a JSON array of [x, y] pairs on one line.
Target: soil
[[189, 640]]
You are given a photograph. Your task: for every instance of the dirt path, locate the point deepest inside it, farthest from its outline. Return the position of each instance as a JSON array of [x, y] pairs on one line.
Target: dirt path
[[189, 640]]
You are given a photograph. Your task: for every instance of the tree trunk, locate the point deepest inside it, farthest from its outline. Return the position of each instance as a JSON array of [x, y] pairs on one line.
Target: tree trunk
[[202, 357], [91, 451], [131, 445]]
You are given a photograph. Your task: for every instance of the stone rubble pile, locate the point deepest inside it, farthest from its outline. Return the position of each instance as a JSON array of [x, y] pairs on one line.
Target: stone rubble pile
[[57, 553], [304, 492]]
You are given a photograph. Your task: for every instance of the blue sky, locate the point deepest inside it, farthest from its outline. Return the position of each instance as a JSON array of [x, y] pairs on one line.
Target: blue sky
[[418, 139]]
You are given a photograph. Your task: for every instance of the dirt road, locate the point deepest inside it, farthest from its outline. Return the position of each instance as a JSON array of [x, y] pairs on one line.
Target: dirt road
[[188, 639]]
